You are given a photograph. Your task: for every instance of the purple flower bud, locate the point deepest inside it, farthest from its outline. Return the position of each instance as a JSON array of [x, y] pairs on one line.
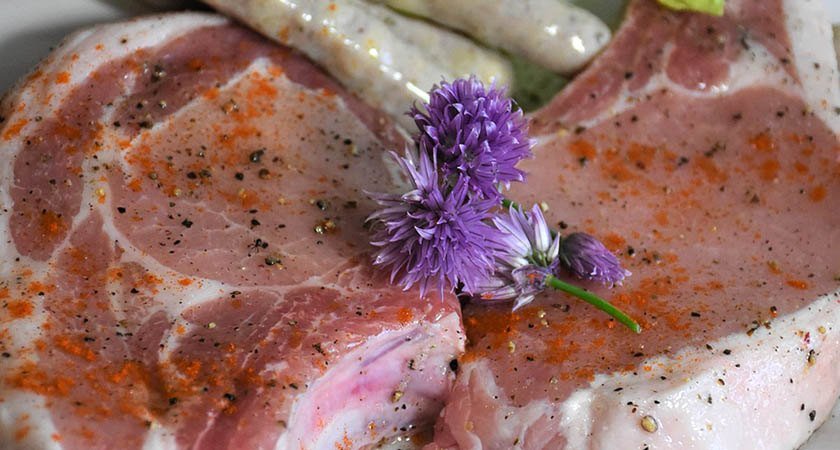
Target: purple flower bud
[[474, 132], [586, 257]]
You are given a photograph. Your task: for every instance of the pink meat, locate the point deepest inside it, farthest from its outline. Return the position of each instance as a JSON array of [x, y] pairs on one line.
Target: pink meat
[[704, 152], [184, 256]]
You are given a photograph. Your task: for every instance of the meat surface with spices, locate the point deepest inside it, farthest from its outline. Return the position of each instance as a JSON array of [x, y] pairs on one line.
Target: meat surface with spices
[[184, 259], [185, 262]]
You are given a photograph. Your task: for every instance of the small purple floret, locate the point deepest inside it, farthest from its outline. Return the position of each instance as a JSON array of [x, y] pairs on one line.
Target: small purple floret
[[525, 239], [586, 257], [526, 255], [520, 285], [432, 234], [475, 132]]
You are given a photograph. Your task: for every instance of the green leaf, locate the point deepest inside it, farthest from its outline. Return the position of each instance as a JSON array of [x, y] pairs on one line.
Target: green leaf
[[714, 7]]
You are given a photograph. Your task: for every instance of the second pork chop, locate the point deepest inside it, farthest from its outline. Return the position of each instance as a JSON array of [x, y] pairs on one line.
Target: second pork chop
[[704, 151]]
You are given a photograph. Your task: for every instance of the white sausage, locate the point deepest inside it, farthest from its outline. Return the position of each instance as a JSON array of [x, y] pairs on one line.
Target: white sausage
[[388, 59], [550, 33]]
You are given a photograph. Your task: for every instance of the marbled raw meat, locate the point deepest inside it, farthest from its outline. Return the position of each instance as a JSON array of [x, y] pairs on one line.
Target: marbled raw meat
[[184, 258], [704, 151]]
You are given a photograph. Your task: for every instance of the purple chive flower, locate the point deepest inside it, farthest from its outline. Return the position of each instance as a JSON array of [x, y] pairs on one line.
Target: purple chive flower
[[527, 253], [586, 257], [475, 132], [520, 285], [433, 234]]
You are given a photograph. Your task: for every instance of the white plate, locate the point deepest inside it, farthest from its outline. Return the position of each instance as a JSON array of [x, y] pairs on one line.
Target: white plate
[[28, 29]]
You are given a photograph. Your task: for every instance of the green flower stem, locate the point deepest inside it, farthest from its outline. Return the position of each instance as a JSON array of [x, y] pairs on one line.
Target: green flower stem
[[507, 204], [595, 301]]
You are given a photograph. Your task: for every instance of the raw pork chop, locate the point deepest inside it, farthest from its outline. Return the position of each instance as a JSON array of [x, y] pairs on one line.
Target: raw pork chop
[[184, 260], [705, 152]]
